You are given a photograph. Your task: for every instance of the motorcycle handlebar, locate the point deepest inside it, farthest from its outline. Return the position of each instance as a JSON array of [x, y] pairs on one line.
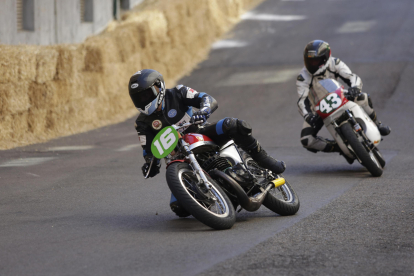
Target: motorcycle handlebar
[[177, 127]]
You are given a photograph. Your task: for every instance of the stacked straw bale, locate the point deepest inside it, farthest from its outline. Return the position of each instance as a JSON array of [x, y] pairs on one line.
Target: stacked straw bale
[[52, 91]]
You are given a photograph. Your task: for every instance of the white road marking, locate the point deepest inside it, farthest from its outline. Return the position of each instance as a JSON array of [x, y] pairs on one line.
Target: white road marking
[[69, 148], [129, 147], [271, 17], [356, 26], [228, 44], [33, 174], [262, 77], [25, 162]]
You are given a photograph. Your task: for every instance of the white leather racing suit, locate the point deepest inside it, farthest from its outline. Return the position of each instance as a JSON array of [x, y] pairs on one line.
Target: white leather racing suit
[[335, 69]]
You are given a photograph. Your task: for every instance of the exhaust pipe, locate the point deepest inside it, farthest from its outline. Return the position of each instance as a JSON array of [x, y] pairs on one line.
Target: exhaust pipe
[[250, 204]]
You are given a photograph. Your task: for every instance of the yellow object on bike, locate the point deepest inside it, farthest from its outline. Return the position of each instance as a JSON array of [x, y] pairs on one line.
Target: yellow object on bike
[[278, 182]]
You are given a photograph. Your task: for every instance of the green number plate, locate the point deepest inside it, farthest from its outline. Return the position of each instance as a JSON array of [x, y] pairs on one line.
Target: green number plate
[[165, 142]]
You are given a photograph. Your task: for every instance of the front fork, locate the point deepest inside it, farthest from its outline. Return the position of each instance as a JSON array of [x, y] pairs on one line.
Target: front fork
[[370, 146], [347, 116], [198, 171]]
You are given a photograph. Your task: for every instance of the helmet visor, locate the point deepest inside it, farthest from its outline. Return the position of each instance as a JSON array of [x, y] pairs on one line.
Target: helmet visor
[[314, 63], [143, 98]]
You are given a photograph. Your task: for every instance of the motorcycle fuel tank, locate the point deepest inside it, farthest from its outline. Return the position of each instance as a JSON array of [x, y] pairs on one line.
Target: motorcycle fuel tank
[[199, 142]]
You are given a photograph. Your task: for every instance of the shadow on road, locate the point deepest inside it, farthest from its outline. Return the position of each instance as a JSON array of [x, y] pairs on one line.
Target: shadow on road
[[171, 223]]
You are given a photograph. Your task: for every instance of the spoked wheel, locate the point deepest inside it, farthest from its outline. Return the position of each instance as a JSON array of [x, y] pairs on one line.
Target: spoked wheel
[[368, 158], [213, 207], [282, 200], [379, 157]]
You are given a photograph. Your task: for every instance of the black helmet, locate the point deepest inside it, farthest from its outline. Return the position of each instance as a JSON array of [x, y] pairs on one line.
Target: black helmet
[[316, 56], [145, 96]]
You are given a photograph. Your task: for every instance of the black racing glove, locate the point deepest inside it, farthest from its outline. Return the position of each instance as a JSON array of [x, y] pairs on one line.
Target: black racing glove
[[155, 168], [353, 93], [311, 119], [201, 116]]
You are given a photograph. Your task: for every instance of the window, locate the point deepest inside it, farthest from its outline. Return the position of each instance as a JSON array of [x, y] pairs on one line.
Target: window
[[125, 5], [25, 15], [86, 10]]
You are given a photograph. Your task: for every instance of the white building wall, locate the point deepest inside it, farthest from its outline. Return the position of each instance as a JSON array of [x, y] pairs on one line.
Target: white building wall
[[55, 21], [44, 27]]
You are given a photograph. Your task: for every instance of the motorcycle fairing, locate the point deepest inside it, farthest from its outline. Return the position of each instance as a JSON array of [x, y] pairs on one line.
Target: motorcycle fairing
[[369, 126], [329, 104]]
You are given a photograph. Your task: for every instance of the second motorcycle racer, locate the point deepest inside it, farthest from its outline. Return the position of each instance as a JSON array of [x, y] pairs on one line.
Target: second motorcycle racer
[[319, 65]]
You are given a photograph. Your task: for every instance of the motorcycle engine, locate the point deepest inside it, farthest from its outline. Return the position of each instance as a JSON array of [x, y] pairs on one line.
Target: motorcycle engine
[[239, 174], [210, 161], [213, 162]]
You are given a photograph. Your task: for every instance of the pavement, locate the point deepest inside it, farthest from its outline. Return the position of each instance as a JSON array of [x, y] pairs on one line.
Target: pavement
[[79, 205]]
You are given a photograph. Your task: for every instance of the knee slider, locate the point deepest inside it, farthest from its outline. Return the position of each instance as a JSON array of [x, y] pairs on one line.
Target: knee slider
[[244, 128], [308, 131], [230, 126], [304, 142], [234, 126]]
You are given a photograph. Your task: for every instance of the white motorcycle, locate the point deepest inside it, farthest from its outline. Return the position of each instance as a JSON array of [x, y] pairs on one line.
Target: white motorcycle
[[351, 127]]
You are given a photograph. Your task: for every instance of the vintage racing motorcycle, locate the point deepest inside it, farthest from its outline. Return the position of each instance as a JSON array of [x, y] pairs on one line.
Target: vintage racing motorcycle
[[210, 181], [351, 127]]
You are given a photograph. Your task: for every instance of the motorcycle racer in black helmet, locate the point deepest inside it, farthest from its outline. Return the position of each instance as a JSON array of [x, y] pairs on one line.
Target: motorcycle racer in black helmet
[[316, 56], [143, 90], [319, 64], [160, 107]]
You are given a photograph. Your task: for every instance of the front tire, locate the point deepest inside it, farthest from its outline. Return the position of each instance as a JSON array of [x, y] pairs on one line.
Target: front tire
[[368, 158], [379, 157], [218, 214]]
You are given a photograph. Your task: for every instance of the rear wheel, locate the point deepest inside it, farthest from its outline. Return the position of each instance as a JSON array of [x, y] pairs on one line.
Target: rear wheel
[[368, 158], [282, 200], [216, 211]]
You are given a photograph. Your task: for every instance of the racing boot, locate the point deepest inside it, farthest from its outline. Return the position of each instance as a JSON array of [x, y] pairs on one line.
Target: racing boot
[[331, 146], [177, 208], [263, 159], [383, 129]]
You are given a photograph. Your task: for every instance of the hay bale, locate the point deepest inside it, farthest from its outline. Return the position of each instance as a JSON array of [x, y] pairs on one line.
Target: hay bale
[[14, 98], [17, 63], [64, 91], [106, 45], [46, 62], [6, 131], [42, 96], [49, 91], [70, 61], [130, 66], [18, 126], [93, 59], [37, 122], [127, 43]]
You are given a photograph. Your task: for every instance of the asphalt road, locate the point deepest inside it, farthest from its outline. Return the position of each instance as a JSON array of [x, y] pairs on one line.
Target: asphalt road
[[79, 205]]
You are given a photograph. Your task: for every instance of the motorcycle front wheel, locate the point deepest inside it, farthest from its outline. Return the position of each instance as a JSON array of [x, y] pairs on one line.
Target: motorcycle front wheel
[[368, 158], [216, 212]]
